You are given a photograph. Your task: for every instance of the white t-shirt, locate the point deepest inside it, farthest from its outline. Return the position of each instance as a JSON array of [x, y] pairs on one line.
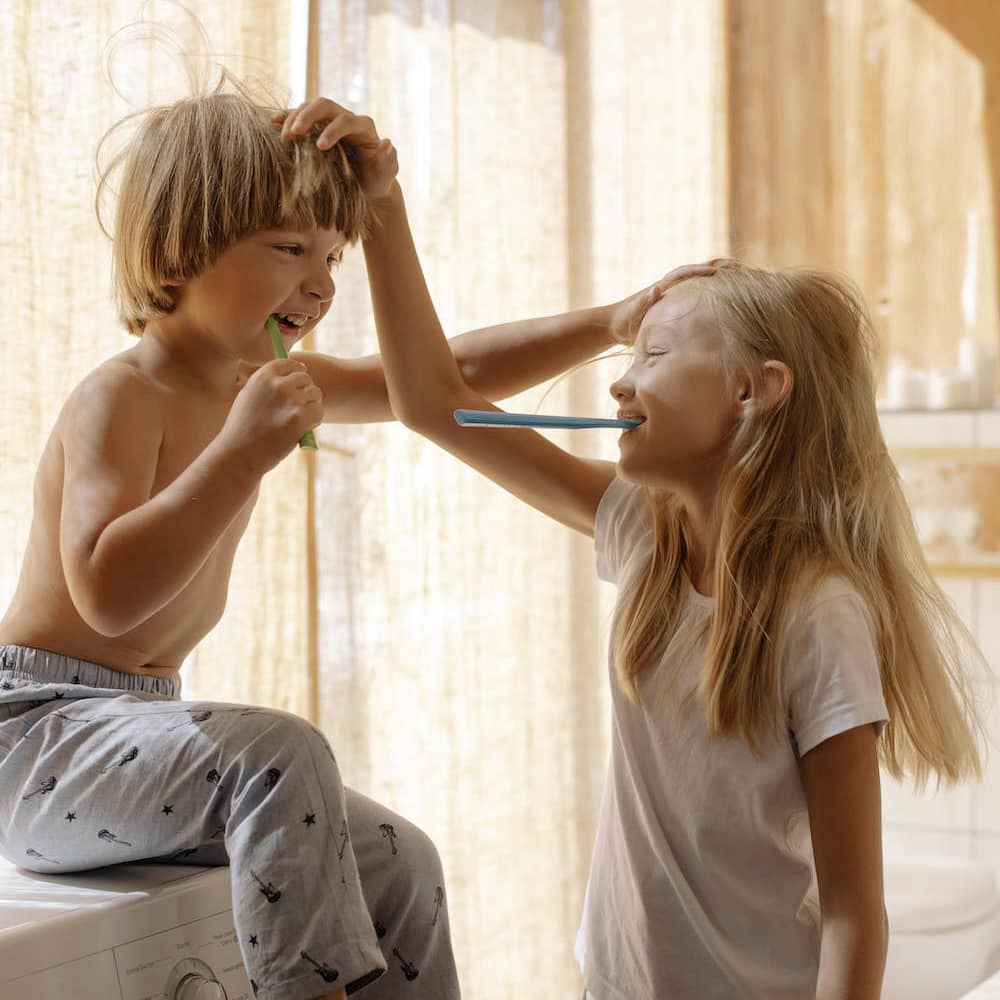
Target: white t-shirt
[[702, 884]]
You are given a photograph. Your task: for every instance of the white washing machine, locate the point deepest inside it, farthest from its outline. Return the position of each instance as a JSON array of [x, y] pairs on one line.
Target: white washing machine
[[131, 932]]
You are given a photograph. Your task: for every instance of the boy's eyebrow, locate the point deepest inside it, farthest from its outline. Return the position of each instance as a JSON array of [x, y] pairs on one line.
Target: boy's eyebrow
[[339, 244]]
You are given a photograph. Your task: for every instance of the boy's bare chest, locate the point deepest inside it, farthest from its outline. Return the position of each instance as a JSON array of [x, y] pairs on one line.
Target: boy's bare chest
[[190, 428]]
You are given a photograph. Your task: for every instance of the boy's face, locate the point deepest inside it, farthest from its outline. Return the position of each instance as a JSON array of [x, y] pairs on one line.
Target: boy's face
[[283, 271]]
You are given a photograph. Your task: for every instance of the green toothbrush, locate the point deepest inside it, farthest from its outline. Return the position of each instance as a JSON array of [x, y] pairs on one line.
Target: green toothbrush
[[308, 440]]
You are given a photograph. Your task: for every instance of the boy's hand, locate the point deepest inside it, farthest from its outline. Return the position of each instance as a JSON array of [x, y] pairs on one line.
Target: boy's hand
[[377, 161], [626, 316], [278, 404]]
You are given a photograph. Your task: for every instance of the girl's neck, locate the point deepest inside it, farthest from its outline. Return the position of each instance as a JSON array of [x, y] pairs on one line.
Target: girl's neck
[[703, 535]]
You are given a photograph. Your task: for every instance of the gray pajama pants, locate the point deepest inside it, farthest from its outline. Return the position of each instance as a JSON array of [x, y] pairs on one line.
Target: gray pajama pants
[[330, 889]]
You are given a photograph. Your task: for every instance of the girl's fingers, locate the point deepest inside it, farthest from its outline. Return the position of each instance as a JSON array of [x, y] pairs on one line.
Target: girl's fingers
[[336, 130], [289, 126], [320, 110]]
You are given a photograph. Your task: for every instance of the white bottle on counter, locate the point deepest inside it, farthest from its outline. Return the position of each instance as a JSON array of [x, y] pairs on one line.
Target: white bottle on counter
[[906, 388], [979, 362], [950, 389]]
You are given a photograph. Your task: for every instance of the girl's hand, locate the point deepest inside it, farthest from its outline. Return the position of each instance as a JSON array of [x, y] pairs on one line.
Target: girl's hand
[[626, 316], [376, 158]]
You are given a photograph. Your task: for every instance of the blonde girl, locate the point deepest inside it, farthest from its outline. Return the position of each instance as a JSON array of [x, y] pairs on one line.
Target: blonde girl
[[777, 635]]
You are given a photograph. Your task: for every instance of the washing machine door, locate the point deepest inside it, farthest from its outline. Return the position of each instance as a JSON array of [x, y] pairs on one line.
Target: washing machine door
[[192, 979]]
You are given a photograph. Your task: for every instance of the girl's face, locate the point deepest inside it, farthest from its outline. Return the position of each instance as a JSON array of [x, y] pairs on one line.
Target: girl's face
[[281, 271], [678, 386]]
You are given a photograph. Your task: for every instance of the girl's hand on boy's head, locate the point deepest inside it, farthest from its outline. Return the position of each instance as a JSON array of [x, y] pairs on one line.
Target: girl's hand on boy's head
[[626, 316], [376, 157]]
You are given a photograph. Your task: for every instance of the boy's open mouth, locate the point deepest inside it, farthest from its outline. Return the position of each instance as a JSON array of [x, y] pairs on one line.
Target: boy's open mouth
[[291, 322]]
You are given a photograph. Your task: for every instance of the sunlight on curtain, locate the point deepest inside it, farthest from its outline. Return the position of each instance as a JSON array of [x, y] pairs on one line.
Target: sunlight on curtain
[[550, 159], [55, 286]]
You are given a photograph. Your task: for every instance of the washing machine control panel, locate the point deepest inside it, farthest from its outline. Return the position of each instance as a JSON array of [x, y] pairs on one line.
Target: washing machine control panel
[[198, 961]]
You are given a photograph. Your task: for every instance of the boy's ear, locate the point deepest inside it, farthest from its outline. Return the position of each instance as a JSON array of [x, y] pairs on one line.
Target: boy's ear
[[778, 382]]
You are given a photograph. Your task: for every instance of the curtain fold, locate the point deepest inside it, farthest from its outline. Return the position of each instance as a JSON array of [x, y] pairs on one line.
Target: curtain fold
[[462, 668]]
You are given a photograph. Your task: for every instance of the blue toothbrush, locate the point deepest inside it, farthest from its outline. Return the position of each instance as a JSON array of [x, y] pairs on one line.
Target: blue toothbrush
[[497, 418]]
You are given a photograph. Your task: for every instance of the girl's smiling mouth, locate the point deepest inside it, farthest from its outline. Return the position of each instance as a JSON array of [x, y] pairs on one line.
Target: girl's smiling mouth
[[624, 415]]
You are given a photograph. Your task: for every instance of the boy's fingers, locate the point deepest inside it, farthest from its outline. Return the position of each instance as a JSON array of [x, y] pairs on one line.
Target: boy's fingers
[[682, 273]]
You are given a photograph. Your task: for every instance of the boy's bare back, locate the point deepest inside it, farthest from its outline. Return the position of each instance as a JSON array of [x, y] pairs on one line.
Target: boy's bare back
[[149, 400]]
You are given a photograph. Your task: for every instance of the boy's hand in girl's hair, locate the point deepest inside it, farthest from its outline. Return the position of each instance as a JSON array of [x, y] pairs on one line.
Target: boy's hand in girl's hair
[[375, 157], [626, 316], [278, 404]]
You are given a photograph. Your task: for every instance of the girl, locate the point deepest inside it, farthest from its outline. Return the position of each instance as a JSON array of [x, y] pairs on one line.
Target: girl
[[776, 636]]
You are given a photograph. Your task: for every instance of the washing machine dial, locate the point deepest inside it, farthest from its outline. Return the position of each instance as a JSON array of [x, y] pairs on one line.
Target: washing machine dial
[[198, 988], [192, 979]]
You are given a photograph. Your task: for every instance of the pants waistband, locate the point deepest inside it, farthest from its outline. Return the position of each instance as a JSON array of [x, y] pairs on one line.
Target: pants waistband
[[41, 666]]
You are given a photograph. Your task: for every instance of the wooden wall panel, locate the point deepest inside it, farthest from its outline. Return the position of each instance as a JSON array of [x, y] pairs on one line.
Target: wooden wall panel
[[780, 167], [863, 136]]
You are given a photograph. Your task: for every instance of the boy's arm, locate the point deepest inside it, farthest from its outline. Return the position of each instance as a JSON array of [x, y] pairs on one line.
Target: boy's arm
[[125, 552], [496, 361]]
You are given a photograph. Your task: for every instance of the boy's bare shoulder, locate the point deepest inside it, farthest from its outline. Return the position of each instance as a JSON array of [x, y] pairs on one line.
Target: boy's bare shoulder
[[116, 394]]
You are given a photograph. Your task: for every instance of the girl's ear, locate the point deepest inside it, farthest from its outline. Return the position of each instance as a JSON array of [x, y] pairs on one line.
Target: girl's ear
[[778, 381]]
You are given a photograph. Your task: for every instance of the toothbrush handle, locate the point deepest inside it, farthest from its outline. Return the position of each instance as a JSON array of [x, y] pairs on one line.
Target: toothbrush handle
[[308, 440], [495, 418]]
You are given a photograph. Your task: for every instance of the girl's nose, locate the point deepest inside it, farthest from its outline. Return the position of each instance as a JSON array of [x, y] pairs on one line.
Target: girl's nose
[[621, 389]]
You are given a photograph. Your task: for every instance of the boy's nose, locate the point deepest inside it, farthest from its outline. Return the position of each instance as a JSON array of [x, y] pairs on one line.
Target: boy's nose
[[320, 286]]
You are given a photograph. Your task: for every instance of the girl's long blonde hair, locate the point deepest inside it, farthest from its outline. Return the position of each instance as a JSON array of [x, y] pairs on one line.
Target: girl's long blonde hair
[[809, 491]]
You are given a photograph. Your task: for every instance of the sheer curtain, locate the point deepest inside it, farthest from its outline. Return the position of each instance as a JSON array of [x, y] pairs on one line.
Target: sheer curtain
[[552, 155]]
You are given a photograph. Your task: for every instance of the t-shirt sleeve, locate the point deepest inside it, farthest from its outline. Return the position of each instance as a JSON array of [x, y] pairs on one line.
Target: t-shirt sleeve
[[622, 521], [832, 681]]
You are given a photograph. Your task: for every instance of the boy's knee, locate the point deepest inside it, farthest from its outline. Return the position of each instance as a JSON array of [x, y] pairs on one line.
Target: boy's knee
[[276, 741], [416, 868]]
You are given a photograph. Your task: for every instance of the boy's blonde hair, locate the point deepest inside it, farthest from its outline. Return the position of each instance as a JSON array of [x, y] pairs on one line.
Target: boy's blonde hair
[[204, 172], [809, 491]]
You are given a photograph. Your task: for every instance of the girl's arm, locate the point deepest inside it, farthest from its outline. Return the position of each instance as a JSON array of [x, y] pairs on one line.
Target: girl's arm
[[841, 782], [497, 361], [426, 384]]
